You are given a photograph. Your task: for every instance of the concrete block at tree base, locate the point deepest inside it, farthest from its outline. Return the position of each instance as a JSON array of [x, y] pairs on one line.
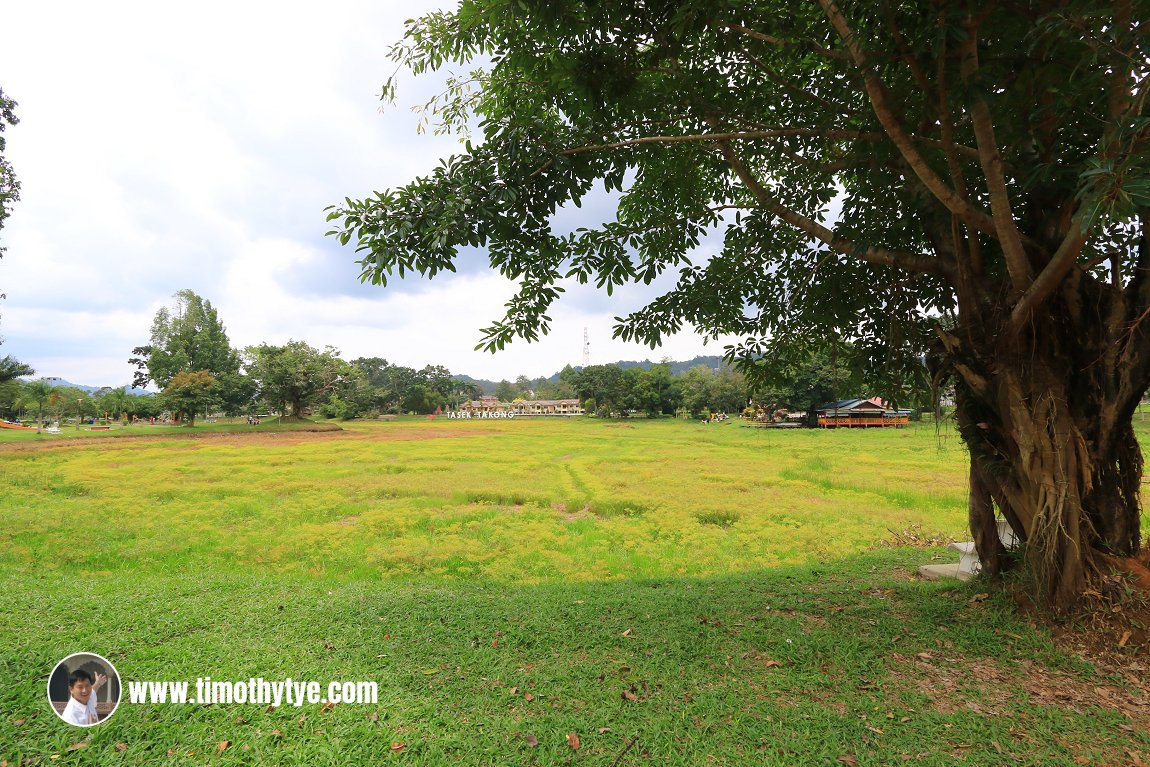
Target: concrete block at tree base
[[968, 564], [1006, 535], [934, 572]]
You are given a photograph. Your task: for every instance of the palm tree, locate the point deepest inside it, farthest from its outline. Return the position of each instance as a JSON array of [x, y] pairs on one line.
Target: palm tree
[[38, 392], [116, 401], [11, 368]]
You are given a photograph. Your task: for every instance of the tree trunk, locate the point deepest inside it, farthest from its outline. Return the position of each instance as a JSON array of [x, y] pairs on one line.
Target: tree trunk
[[1047, 416]]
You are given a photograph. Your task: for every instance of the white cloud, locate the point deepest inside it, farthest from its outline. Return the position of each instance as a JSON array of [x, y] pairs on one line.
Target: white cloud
[[164, 147]]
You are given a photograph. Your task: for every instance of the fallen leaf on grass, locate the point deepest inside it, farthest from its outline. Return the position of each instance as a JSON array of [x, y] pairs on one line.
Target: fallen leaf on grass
[[1125, 638], [373, 717], [601, 731], [573, 741], [76, 746], [241, 720], [329, 644], [979, 598], [628, 695], [430, 671], [627, 633], [269, 709], [397, 747], [327, 707], [528, 697], [277, 733], [223, 746], [495, 643], [121, 747], [850, 760], [17, 723], [301, 720], [771, 663], [531, 740]]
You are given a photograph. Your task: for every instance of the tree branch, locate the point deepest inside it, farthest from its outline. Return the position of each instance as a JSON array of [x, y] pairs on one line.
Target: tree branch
[[805, 46], [904, 51], [913, 262], [734, 136], [837, 134], [1051, 275], [902, 140], [1017, 263], [973, 263], [787, 85]]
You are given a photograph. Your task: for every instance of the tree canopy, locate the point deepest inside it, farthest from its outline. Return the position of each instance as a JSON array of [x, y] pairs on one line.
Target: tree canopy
[[191, 392], [186, 337], [971, 180], [9, 185], [10, 367], [295, 375]]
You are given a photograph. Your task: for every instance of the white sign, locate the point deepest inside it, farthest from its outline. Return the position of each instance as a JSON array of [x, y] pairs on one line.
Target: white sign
[[467, 414]]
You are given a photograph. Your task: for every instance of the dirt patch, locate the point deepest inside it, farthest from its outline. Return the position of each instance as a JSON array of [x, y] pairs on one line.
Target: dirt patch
[[226, 437], [316, 432], [1110, 628], [954, 682], [568, 515]]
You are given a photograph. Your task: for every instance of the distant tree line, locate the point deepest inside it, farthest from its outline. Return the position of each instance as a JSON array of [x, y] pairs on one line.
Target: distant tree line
[[190, 359]]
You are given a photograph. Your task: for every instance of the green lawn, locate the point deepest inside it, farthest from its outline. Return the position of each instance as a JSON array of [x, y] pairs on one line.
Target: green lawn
[[671, 593]]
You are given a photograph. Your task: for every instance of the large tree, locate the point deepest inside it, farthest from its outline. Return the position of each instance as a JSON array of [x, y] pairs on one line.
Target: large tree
[[186, 337], [10, 367], [973, 177], [9, 186], [38, 393], [191, 392], [295, 376]]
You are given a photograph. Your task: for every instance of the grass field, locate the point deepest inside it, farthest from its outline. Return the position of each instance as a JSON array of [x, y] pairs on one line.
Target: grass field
[[668, 592]]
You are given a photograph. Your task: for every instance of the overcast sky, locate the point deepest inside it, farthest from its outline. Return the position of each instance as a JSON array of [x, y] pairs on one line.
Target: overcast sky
[[163, 147]]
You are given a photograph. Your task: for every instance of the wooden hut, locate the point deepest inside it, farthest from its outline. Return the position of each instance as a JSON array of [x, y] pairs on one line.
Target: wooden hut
[[860, 413]]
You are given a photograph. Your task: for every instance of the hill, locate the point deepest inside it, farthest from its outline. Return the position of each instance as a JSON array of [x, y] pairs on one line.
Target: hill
[[55, 381]]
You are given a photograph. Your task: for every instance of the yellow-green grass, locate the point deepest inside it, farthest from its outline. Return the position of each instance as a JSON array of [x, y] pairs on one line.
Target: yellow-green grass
[[672, 593], [522, 500]]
